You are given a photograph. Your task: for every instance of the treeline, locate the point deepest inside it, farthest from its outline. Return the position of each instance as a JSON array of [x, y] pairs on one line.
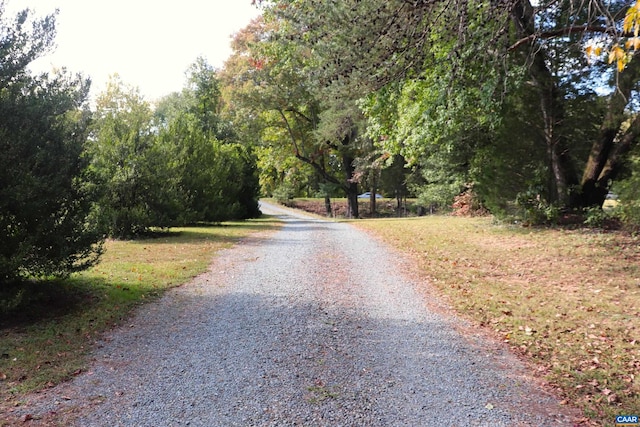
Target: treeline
[[70, 175], [530, 109]]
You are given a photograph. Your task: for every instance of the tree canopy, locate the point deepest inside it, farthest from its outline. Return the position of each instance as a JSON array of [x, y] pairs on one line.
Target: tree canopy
[[527, 103], [46, 195]]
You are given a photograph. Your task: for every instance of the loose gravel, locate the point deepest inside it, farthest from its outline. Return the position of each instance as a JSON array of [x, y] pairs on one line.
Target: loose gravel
[[315, 325]]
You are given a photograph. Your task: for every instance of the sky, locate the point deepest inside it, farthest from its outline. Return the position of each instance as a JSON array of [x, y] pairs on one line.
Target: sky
[[149, 43]]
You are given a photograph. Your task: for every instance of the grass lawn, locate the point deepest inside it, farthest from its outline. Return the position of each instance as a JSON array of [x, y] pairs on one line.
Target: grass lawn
[[46, 338], [567, 300]]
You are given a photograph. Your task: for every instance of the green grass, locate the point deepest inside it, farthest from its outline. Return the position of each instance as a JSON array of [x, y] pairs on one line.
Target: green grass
[[47, 335], [568, 301]]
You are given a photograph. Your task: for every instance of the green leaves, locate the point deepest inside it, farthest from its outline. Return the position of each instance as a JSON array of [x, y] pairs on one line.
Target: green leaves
[[45, 194], [136, 182]]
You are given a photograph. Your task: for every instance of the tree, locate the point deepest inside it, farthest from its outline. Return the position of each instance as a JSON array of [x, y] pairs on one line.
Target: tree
[[45, 195], [216, 175], [270, 74], [136, 176], [516, 45]]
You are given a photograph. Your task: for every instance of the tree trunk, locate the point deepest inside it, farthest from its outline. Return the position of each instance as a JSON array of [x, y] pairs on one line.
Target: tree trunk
[[351, 187], [551, 108], [607, 150], [372, 203], [372, 197], [327, 206]]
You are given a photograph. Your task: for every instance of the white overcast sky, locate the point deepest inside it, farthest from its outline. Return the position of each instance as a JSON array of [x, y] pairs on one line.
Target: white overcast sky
[[149, 43]]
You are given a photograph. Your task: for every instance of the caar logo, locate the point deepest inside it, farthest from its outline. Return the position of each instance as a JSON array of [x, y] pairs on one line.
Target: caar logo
[[627, 420]]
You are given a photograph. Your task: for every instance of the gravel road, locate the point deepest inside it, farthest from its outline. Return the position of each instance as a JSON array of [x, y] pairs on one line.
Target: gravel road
[[315, 325]]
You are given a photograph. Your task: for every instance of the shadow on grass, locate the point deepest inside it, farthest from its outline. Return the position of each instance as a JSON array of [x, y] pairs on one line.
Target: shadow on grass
[[25, 303], [28, 302], [209, 232]]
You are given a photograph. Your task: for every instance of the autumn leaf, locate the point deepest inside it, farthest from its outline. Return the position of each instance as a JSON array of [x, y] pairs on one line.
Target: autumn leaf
[[632, 19], [633, 43], [619, 56]]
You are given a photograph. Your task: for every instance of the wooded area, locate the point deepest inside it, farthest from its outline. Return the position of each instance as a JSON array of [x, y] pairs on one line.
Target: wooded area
[[512, 100], [72, 175], [510, 104]]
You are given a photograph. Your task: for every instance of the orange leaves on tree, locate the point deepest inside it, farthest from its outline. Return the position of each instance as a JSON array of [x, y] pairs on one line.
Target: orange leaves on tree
[[631, 25], [621, 53], [258, 64], [620, 56], [631, 21]]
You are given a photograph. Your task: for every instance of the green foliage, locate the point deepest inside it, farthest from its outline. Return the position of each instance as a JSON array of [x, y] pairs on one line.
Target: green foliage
[[628, 191], [274, 93], [137, 184], [168, 167], [204, 98], [596, 217], [45, 195], [495, 95], [215, 176], [239, 196], [284, 193], [535, 210]]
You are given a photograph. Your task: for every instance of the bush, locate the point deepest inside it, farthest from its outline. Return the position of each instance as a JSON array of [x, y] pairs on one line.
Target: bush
[[45, 197], [596, 217], [627, 208], [535, 210], [284, 193]]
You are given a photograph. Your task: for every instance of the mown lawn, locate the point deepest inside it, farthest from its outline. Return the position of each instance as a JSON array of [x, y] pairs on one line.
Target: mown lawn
[[45, 338], [566, 300]]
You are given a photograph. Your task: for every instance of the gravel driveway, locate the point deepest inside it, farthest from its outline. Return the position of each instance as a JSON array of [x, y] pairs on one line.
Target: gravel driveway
[[314, 325]]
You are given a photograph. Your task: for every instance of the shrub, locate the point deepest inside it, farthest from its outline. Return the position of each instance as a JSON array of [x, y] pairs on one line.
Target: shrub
[[45, 197]]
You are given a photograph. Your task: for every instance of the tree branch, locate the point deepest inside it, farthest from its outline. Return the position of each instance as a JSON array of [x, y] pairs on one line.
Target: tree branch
[[562, 32], [298, 113], [321, 171], [305, 159]]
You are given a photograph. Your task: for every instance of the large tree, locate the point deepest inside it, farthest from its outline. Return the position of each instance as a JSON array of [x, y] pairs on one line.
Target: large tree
[[271, 76], [507, 48], [216, 174], [45, 196], [135, 173]]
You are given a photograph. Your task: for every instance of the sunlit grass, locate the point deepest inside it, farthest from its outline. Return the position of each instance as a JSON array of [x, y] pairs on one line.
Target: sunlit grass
[[567, 300], [45, 340]]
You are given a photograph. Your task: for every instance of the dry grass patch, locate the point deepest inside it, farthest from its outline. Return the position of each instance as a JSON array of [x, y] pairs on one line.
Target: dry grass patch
[[46, 337], [567, 299]]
